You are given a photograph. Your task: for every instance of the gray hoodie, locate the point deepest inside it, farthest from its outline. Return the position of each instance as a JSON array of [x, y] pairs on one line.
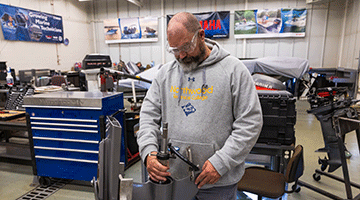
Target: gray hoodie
[[214, 109]]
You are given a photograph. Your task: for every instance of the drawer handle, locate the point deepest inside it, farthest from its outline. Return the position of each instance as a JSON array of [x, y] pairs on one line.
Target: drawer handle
[[65, 149], [67, 159], [63, 107], [64, 119], [65, 140], [64, 129], [59, 124]]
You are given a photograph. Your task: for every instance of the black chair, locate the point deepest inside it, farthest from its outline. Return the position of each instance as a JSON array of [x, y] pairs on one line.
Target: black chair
[[267, 183]]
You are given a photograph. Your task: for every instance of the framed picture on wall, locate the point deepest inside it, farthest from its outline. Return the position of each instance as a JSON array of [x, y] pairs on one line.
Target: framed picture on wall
[[270, 23], [129, 30], [215, 24]]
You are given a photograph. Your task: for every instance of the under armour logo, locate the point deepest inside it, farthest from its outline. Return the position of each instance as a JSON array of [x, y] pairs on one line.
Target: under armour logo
[[191, 79]]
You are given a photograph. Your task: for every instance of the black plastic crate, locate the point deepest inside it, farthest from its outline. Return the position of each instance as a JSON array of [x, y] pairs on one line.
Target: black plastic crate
[[130, 121], [279, 117], [278, 135], [274, 120], [279, 103]]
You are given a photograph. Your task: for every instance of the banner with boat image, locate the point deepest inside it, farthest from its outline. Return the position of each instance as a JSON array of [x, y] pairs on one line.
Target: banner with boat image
[[274, 23], [20, 24], [128, 30]]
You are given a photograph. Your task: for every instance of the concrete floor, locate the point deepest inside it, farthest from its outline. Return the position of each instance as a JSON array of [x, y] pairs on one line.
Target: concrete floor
[[16, 179]]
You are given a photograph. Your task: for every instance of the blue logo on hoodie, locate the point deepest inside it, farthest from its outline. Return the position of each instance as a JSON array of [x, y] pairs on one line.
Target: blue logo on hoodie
[[188, 109], [191, 79]]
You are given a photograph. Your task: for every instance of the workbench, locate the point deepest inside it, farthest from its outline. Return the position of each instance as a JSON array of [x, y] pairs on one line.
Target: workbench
[[15, 145]]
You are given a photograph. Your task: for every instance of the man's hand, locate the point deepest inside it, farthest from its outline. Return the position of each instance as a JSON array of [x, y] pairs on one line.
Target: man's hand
[[156, 170], [209, 175]]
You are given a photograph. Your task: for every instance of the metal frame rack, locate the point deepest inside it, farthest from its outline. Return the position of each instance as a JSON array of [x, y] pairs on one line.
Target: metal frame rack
[[343, 126]]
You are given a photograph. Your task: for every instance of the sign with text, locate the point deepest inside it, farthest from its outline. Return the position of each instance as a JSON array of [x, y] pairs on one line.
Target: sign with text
[[270, 23], [215, 24], [28, 25]]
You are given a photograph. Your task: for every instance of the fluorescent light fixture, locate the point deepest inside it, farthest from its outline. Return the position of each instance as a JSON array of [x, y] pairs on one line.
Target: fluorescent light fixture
[[136, 2], [85, 0]]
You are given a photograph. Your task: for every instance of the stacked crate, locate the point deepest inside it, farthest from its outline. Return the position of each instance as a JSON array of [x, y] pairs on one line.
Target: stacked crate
[[279, 115]]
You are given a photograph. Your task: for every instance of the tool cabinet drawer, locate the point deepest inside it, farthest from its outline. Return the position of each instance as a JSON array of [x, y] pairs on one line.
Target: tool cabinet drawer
[[75, 169], [65, 134], [91, 145], [66, 153], [64, 113]]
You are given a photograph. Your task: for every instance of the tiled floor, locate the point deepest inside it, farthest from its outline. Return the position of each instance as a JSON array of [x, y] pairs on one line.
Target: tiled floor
[[16, 179]]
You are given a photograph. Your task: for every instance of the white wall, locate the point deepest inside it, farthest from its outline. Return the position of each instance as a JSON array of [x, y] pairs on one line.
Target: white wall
[[321, 45], [35, 55], [351, 47]]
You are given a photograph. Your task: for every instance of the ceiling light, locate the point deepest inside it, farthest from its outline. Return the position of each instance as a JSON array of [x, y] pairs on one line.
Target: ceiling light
[[136, 2]]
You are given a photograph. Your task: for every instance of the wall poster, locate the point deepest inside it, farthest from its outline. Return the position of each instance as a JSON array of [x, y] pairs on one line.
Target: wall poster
[[127, 30], [28, 25], [215, 24], [270, 23]]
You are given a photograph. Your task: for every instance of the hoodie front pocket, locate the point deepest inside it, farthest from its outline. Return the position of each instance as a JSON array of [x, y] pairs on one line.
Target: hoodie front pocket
[[200, 153]]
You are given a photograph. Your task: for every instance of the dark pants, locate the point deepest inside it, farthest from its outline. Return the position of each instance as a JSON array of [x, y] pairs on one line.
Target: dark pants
[[217, 193]]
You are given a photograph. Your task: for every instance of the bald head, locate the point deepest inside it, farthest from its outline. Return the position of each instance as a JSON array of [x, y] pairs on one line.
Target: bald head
[[184, 32], [181, 21]]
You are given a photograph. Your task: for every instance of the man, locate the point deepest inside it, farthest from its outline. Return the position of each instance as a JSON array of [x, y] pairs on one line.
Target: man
[[210, 103]]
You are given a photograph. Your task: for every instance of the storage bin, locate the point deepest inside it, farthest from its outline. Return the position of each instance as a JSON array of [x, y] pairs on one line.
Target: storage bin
[[279, 117]]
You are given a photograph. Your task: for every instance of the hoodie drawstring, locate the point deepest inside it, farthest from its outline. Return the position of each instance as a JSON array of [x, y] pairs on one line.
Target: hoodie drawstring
[[204, 85], [180, 85]]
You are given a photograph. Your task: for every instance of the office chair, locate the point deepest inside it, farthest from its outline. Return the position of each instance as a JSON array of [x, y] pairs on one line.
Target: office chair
[[267, 183]]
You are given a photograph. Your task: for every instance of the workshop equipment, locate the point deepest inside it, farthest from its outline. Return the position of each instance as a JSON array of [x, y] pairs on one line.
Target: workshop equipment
[[107, 185], [264, 82], [40, 76], [4, 73], [16, 96], [95, 61], [94, 81], [131, 123], [337, 117], [183, 189], [335, 77], [335, 105], [66, 129]]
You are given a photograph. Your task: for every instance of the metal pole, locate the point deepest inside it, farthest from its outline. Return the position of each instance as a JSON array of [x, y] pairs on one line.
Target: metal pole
[[343, 159], [318, 190]]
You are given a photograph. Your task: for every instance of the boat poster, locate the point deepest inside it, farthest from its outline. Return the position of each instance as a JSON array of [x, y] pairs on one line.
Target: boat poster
[[270, 23], [128, 30]]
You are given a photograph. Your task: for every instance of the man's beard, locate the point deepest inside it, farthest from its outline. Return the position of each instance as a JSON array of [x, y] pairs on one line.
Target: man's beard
[[189, 64]]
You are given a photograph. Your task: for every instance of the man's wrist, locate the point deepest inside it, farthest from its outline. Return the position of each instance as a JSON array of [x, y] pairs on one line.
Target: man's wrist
[[154, 153]]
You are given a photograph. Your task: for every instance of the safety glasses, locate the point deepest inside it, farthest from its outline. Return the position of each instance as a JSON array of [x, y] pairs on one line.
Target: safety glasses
[[188, 47]]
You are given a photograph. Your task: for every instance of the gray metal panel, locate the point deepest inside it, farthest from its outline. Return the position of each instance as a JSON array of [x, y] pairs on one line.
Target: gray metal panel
[[72, 99]]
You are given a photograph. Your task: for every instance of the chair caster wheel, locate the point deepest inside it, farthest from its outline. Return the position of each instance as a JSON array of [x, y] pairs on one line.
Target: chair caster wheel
[[297, 190], [44, 181], [323, 167], [316, 177]]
